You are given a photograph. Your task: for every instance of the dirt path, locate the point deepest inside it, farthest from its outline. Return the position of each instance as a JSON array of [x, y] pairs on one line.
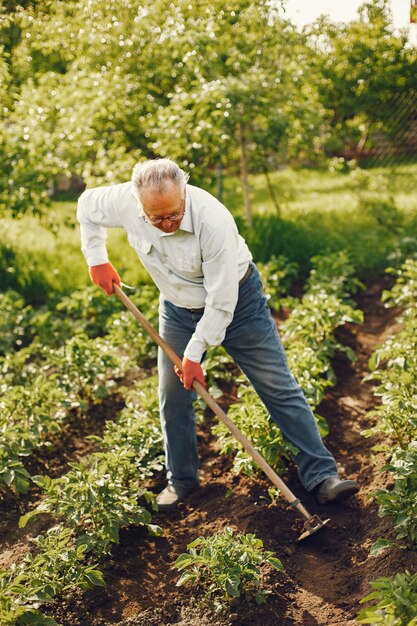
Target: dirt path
[[326, 575]]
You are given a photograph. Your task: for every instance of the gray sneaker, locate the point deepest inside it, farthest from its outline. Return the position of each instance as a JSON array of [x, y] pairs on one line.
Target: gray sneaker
[[168, 499], [335, 489]]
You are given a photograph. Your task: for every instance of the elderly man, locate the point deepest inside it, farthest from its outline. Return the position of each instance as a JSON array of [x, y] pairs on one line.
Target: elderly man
[[210, 294]]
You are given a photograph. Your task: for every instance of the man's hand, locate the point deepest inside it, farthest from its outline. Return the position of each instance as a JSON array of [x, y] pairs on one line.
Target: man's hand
[[103, 275], [191, 371]]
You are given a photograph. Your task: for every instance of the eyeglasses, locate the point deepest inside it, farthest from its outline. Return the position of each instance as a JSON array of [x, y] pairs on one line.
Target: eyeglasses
[[158, 220], [176, 217]]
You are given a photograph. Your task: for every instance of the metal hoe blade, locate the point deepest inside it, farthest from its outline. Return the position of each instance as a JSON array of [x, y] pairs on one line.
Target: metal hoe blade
[[312, 525]]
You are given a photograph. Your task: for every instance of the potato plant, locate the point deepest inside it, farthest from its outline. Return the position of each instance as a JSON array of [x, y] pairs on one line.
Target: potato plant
[[277, 276], [57, 568], [97, 499], [396, 602], [393, 366], [91, 503], [85, 368], [28, 416], [400, 503], [404, 292], [313, 374], [14, 316], [137, 430], [334, 274], [226, 566], [314, 321], [251, 417]]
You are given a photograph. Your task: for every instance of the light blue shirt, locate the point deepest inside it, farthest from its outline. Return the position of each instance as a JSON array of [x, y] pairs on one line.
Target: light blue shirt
[[198, 265]]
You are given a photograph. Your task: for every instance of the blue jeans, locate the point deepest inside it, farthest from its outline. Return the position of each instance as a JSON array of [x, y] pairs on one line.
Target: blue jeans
[[253, 342]]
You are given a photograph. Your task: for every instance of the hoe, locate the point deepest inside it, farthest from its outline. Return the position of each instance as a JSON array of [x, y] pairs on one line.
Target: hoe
[[312, 523]]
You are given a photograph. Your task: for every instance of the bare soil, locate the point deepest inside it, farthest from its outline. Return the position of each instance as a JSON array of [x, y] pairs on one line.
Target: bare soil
[[325, 576]]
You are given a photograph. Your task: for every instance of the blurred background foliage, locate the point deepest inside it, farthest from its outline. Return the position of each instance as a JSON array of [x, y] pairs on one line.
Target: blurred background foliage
[[252, 106]]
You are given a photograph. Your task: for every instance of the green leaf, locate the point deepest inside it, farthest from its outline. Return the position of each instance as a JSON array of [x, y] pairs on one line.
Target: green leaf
[[276, 563], [183, 560], [25, 518], [22, 480], [187, 577], [95, 577], [196, 542], [232, 586], [35, 618], [8, 476], [380, 545]]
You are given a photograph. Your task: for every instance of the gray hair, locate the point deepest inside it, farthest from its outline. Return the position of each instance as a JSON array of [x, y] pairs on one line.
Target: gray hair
[[154, 174]]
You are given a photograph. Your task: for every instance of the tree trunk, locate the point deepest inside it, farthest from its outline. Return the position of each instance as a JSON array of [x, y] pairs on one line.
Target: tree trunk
[[272, 192], [244, 174]]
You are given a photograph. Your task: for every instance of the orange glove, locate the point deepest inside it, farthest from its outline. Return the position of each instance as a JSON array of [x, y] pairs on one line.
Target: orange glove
[[103, 275], [192, 370]]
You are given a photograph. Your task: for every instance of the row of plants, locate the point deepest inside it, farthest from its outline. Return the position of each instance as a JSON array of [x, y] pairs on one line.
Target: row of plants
[[393, 367], [61, 360], [93, 501], [89, 506], [310, 342]]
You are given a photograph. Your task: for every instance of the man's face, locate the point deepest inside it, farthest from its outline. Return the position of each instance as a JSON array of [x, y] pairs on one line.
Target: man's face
[[160, 207]]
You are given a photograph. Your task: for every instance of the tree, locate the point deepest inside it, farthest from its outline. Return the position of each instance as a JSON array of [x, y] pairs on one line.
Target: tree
[[359, 66]]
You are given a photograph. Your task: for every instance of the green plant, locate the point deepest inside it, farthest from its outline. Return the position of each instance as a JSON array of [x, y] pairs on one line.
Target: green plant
[[85, 368], [394, 367], [404, 292], [28, 416], [314, 321], [313, 373], [251, 417], [137, 429], [397, 389], [277, 276], [400, 503], [397, 602], [14, 316], [335, 275], [226, 566], [96, 499], [56, 569]]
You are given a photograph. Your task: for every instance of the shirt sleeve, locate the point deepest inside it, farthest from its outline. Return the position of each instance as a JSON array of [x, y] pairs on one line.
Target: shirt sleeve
[[96, 212], [221, 282]]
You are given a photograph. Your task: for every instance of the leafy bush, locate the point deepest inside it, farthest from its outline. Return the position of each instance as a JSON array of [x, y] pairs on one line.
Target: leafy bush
[[394, 368], [401, 502], [96, 499], [137, 429], [404, 292], [28, 416], [56, 570], [335, 275], [277, 277], [251, 417], [397, 602], [14, 318], [226, 566], [394, 365]]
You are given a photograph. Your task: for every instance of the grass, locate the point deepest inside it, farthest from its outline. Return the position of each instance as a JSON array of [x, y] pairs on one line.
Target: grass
[[319, 211]]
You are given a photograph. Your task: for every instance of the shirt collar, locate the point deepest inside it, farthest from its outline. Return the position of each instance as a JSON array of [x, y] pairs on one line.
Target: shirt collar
[[187, 220]]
